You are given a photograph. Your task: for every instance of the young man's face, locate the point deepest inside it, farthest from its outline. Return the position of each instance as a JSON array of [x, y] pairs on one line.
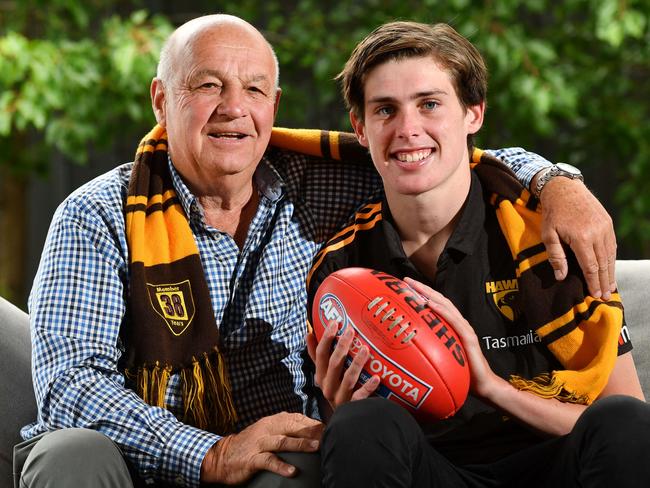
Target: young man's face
[[415, 126]]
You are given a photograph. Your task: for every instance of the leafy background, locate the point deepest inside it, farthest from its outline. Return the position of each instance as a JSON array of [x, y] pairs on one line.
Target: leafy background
[[568, 80]]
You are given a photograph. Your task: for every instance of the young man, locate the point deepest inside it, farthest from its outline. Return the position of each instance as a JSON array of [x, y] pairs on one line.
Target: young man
[[539, 351]]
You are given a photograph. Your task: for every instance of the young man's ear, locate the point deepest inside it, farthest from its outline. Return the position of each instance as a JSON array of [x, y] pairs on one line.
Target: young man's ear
[[359, 129], [474, 117], [158, 101]]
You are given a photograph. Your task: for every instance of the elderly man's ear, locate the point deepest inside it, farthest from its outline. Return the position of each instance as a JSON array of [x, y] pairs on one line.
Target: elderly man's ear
[[278, 95], [158, 101]]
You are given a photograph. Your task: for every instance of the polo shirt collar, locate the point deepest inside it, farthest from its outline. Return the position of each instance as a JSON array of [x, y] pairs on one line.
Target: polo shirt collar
[[466, 235], [391, 237]]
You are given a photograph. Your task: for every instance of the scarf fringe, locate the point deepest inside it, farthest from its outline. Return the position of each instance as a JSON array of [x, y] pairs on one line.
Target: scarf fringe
[[548, 386], [207, 397]]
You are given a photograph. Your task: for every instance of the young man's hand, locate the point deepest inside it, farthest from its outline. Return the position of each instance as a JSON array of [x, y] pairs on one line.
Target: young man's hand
[[237, 457], [337, 383], [483, 381], [571, 214], [546, 415]]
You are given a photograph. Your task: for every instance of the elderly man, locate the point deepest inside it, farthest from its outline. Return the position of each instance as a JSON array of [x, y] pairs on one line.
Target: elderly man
[[169, 307]]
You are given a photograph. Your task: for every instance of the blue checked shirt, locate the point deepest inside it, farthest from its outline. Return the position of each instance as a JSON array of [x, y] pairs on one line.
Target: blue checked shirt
[[78, 302]]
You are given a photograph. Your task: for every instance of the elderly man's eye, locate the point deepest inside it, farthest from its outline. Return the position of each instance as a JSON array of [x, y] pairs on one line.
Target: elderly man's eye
[[256, 89]]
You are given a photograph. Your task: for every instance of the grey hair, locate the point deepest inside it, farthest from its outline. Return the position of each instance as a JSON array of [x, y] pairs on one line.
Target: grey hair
[[164, 71]]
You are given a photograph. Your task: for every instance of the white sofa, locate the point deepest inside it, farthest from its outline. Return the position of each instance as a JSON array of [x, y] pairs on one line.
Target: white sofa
[[17, 404]]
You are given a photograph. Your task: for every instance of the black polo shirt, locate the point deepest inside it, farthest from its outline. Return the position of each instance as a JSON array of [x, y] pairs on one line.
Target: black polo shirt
[[477, 273]]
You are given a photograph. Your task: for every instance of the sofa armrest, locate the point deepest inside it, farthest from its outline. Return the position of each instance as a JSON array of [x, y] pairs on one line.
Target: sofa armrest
[[17, 402], [633, 278]]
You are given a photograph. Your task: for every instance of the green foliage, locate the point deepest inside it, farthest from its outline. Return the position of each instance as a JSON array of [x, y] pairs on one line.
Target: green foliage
[[75, 91], [568, 79]]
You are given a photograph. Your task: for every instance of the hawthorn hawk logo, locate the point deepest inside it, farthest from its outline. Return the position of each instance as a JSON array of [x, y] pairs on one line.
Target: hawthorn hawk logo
[[504, 295]]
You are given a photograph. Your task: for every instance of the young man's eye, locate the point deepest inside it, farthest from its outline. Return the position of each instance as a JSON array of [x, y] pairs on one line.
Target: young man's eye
[[385, 111], [429, 105]]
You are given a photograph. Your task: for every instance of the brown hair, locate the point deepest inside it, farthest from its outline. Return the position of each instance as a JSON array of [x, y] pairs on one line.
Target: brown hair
[[401, 40]]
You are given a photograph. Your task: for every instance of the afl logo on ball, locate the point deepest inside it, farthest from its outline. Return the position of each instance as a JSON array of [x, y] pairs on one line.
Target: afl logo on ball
[[330, 308]]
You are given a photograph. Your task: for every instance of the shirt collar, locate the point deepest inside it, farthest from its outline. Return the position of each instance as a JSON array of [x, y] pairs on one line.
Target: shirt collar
[[391, 235], [465, 236], [267, 179]]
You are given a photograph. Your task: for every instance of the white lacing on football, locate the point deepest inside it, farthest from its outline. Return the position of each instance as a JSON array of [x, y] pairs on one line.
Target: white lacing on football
[[396, 321]]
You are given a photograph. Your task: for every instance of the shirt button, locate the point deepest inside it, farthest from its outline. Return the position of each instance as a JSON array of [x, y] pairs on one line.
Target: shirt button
[[179, 480]]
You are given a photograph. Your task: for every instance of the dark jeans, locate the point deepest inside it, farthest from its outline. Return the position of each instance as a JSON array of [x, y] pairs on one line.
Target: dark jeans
[[376, 443]]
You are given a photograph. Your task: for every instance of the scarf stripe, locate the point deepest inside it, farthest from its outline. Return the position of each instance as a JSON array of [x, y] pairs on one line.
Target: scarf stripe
[[531, 251], [348, 234], [573, 318], [325, 149]]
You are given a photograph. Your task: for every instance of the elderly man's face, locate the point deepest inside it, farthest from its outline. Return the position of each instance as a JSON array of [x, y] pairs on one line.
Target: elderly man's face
[[220, 105]]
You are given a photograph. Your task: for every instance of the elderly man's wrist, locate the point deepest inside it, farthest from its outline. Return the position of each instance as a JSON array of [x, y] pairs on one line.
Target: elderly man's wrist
[[558, 187], [545, 176], [212, 465]]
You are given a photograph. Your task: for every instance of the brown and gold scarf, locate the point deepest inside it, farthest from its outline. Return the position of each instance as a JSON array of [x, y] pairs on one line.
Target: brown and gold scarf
[[172, 327], [581, 331]]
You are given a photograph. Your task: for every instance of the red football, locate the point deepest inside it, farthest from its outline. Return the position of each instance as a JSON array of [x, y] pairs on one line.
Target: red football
[[418, 357]]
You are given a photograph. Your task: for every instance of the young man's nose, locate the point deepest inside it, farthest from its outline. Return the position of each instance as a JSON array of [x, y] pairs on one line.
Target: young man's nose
[[408, 124]]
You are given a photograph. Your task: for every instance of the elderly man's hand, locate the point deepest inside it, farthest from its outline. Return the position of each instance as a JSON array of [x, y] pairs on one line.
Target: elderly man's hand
[[237, 457], [571, 214]]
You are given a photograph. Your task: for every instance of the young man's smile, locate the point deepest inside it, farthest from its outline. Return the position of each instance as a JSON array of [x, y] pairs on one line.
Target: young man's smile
[[414, 156]]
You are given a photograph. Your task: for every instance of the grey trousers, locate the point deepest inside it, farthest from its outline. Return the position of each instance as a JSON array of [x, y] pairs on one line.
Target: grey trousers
[[73, 458]]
